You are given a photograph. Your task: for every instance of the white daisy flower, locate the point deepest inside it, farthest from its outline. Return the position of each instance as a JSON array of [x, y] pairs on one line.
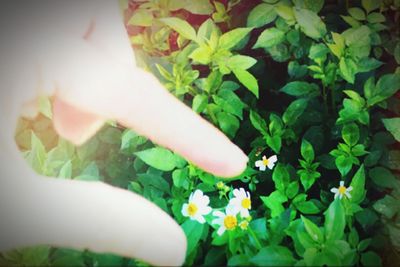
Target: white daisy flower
[[197, 206], [342, 190], [266, 162], [226, 221], [241, 202]]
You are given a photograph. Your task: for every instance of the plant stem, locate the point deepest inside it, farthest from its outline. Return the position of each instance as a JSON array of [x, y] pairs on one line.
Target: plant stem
[[333, 100], [258, 244], [324, 96]]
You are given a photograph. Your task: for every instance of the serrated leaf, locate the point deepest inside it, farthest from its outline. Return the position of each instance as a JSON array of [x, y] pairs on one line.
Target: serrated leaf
[[260, 15], [393, 126], [310, 23], [229, 39], [269, 38], [158, 157], [180, 26], [248, 80], [294, 111]]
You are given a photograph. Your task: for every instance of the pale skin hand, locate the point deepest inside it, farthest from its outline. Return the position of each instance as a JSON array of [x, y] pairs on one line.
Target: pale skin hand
[[93, 78]]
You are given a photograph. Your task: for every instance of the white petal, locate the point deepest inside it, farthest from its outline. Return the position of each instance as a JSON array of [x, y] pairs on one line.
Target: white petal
[[236, 192], [340, 196], [349, 188], [348, 194], [197, 196], [273, 159], [242, 192], [203, 201], [334, 190], [258, 163], [221, 230], [232, 210], [247, 194], [264, 157], [184, 210], [199, 218], [191, 197], [244, 213], [219, 221], [262, 168], [341, 183], [337, 194], [205, 210], [270, 165], [219, 214]]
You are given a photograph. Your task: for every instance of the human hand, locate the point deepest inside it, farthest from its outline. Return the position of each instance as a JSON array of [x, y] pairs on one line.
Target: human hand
[[88, 66]]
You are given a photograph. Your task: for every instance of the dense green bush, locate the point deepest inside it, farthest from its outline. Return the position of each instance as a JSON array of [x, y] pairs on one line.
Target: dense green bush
[[312, 82]]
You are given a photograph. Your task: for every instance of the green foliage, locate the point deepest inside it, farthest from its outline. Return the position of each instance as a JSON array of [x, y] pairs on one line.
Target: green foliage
[[332, 117]]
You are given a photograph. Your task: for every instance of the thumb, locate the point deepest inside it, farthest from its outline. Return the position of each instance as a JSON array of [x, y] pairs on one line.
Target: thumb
[[85, 215]]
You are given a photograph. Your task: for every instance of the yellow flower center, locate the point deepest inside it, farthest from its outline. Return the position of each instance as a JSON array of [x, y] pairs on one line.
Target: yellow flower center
[[246, 203], [192, 209], [265, 162], [342, 190], [244, 225], [230, 222]]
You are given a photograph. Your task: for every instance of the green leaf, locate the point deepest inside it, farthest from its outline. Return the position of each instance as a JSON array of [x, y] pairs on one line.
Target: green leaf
[[228, 123], [281, 177], [386, 86], [393, 126], [179, 178], [156, 181], [199, 7], [66, 171], [335, 221], [229, 102], [248, 80], [141, 17], [357, 13], [348, 69], [36, 157], [370, 258], [260, 15], [229, 39], [367, 64], [312, 229], [300, 89], [294, 111], [307, 207], [383, 177], [376, 17], [274, 202], [370, 5], [158, 157], [273, 256], [310, 23], [292, 189], [313, 5], [387, 206], [201, 55], [239, 62], [285, 12], [130, 140], [358, 184], [343, 164], [180, 26], [269, 38], [193, 231], [307, 151], [351, 134], [258, 122], [199, 103]]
